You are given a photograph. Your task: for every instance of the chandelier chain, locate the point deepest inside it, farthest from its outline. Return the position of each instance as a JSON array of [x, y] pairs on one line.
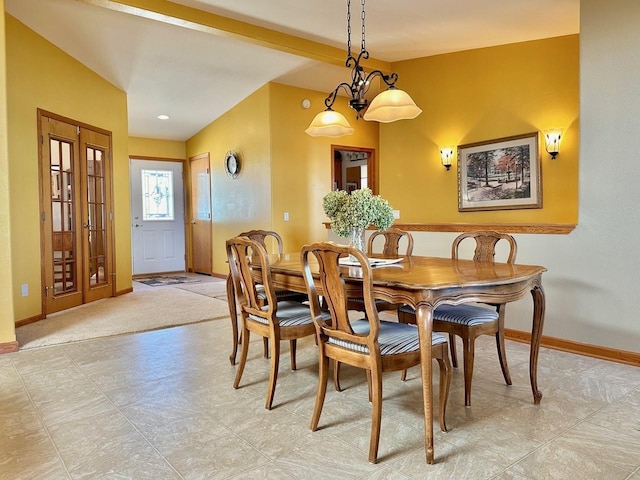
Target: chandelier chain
[[362, 46], [348, 28]]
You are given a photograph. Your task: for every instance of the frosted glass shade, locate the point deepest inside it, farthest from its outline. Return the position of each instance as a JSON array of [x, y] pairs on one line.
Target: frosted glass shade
[[392, 105], [329, 124]]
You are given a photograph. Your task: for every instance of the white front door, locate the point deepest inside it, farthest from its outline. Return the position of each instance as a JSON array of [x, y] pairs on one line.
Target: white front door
[[157, 216]]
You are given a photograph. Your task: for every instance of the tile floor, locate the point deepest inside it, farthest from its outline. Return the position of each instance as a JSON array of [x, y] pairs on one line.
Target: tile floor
[[160, 405]]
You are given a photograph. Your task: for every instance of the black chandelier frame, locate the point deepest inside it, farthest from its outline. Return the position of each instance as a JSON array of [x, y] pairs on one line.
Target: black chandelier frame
[[360, 80]]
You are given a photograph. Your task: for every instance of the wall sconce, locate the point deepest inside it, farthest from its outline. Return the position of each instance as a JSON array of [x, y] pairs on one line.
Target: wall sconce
[[446, 154], [552, 142]]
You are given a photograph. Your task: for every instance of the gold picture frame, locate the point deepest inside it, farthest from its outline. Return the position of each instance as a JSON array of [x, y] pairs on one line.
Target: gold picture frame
[[500, 174]]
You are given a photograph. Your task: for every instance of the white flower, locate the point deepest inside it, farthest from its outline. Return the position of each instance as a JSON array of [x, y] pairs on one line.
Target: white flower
[[359, 209]]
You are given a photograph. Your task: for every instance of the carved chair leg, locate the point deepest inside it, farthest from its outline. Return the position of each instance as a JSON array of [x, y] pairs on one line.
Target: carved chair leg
[[323, 376], [502, 356], [502, 352], [452, 346], [376, 414], [445, 385], [292, 346], [336, 376], [243, 357], [468, 356], [375, 385], [273, 373]]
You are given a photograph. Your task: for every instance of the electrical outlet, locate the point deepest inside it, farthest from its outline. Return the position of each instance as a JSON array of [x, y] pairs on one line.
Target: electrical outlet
[[25, 289], [396, 214], [286, 216]]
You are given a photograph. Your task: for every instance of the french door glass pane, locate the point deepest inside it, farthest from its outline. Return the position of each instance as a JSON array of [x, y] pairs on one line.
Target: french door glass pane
[[63, 238], [97, 214]]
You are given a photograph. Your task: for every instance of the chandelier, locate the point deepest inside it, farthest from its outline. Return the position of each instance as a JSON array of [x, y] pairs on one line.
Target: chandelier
[[388, 106]]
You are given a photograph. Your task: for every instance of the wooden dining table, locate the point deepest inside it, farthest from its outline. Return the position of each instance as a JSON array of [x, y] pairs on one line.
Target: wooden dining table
[[424, 283]]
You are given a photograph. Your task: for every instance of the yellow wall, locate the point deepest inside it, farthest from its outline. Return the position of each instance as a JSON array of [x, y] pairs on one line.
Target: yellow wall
[[7, 329], [39, 75], [301, 165], [242, 203], [282, 170], [155, 148], [481, 95]]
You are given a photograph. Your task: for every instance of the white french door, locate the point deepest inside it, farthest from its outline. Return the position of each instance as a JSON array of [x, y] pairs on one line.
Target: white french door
[[157, 216]]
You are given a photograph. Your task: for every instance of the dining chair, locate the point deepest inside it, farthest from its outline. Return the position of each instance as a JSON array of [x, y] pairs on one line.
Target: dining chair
[[371, 344], [392, 238], [274, 320], [262, 237], [470, 321]]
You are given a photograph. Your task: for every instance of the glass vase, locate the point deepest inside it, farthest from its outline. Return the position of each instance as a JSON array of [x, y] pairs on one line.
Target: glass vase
[[356, 239]]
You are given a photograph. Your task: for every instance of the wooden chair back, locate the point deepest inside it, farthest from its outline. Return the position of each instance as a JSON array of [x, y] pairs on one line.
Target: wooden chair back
[[249, 268], [486, 241], [262, 236], [392, 237], [335, 295]]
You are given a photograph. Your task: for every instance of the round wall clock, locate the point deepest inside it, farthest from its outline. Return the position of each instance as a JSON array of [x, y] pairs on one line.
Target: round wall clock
[[232, 164]]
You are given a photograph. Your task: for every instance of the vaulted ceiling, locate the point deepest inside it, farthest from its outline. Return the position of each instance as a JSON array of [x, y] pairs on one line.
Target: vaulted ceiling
[[195, 59]]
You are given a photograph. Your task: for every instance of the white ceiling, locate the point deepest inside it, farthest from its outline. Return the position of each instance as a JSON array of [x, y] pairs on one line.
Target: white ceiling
[[195, 76]]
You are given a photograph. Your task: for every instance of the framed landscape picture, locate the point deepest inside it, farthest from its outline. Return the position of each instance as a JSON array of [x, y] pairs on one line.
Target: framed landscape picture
[[501, 174]]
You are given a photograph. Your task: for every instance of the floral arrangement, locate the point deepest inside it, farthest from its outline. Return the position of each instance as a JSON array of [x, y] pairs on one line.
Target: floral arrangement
[[356, 210]]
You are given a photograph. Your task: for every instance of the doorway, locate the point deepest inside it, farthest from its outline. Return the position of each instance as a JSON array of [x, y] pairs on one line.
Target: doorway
[[157, 216], [76, 212], [353, 168]]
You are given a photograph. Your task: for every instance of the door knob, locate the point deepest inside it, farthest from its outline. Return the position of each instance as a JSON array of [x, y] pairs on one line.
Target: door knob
[[86, 225], [137, 225], [193, 222]]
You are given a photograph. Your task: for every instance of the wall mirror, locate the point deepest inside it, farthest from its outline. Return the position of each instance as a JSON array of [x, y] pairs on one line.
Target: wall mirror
[[353, 168]]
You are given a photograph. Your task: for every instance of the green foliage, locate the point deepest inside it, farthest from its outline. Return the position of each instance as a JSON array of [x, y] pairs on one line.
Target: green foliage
[[359, 209]]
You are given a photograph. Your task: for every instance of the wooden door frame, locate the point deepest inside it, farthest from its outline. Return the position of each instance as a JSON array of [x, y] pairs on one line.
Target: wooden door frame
[[372, 178]]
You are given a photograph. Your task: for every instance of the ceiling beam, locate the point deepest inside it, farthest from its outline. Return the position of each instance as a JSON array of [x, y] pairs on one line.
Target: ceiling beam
[[200, 20]]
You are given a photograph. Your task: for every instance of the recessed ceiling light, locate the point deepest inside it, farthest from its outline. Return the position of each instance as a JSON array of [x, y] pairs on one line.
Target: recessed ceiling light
[[163, 117]]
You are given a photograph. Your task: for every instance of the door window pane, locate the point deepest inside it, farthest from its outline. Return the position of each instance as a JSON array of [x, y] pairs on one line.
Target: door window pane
[[157, 195], [97, 211], [64, 258], [203, 201]]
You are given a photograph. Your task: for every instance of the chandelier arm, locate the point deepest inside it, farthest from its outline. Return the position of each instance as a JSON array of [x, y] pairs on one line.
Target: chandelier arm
[[351, 61], [390, 80], [331, 98]]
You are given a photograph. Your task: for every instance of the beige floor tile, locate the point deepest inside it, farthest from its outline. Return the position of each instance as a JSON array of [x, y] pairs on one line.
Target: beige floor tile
[[450, 462], [198, 447], [108, 446], [29, 455], [554, 462], [635, 475], [160, 405]]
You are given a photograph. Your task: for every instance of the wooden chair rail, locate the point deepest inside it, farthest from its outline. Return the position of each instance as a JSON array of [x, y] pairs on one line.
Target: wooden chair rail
[[540, 228]]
